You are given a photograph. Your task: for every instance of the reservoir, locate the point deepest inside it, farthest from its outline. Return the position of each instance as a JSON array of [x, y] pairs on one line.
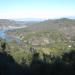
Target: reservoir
[[2, 33], [8, 38]]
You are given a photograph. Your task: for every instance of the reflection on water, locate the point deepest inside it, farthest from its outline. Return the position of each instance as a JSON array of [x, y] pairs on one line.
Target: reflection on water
[[7, 37], [2, 33]]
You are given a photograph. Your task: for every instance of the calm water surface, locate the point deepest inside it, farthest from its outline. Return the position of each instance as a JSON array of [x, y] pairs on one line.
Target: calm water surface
[[7, 37]]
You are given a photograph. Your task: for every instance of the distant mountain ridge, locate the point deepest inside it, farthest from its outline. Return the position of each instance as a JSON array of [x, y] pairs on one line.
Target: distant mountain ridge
[[33, 22], [30, 19], [63, 24], [9, 22]]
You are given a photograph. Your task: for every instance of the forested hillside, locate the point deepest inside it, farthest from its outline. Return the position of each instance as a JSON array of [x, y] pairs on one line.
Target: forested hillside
[[45, 48]]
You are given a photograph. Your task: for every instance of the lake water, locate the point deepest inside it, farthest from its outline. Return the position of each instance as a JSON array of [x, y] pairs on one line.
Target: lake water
[[2, 33], [7, 37]]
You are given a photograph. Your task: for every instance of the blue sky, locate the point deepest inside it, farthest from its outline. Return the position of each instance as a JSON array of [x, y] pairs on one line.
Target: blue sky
[[14, 9]]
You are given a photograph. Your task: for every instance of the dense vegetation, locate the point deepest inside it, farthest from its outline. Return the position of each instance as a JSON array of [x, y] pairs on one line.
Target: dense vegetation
[[14, 61]]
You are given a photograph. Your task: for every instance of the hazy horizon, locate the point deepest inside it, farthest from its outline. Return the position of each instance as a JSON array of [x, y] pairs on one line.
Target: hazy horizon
[[43, 9]]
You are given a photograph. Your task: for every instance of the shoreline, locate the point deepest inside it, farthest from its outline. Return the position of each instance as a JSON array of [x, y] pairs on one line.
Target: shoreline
[[12, 27]]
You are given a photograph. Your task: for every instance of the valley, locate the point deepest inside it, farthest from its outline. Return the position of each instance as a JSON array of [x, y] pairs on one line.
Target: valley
[[46, 42]]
